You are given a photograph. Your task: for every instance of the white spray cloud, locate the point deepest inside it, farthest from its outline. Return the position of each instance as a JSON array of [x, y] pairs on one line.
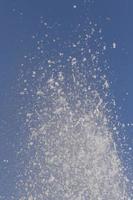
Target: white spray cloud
[[71, 151]]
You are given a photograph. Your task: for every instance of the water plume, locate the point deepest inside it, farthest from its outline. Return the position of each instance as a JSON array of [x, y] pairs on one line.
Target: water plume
[[71, 153]]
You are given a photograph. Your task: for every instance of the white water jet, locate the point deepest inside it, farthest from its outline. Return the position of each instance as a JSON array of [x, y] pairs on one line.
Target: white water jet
[[71, 152]]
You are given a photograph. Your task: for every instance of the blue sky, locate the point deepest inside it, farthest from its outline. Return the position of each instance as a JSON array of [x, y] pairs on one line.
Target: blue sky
[[19, 20]]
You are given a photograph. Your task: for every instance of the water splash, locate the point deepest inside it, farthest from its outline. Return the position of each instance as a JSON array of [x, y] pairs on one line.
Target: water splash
[[71, 154]]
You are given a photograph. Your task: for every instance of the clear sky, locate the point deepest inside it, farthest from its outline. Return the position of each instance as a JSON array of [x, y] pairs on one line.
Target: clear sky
[[19, 20]]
